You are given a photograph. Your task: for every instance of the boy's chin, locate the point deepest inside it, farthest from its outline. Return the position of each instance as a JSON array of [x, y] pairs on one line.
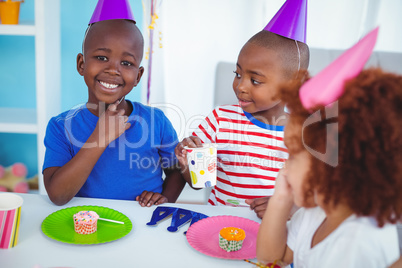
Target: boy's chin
[[247, 110], [111, 101]]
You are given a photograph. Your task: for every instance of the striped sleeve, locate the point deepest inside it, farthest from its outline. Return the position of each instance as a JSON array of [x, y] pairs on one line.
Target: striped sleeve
[[208, 128], [249, 158]]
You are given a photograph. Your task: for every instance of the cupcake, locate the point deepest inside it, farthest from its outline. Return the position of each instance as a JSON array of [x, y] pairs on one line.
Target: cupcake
[[85, 222], [231, 238]]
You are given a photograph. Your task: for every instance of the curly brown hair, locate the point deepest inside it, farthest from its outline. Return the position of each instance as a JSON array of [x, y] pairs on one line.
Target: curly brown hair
[[367, 144]]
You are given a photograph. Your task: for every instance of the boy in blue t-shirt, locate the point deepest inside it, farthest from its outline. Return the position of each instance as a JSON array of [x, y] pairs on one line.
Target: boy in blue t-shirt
[[111, 147]]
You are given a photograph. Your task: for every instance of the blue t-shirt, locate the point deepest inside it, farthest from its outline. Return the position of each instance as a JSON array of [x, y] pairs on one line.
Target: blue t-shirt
[[132, 163]]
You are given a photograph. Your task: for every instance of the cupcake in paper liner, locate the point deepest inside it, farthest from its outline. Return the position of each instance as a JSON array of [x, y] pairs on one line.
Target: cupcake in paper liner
[[86, 222], [231, 238]]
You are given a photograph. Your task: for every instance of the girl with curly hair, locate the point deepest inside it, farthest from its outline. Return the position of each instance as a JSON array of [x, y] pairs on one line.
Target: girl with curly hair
[[344, 171]]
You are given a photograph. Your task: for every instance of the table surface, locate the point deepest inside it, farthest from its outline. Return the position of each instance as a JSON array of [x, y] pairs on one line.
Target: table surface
[[144, 246]]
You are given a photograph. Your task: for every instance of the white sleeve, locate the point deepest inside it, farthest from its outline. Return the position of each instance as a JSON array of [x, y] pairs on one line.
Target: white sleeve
[[347, 254], [293, 226], [363, 249]]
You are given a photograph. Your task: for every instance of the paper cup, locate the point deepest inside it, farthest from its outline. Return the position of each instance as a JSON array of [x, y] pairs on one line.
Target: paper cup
[[10, 212], [202, 165]]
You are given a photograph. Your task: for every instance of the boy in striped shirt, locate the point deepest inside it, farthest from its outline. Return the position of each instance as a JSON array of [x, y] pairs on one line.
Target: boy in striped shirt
[[249, 135]]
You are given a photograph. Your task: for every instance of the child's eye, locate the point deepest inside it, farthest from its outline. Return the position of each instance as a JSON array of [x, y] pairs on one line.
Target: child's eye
[[237, 75], [102, 58], [255, 82], [126, 63]]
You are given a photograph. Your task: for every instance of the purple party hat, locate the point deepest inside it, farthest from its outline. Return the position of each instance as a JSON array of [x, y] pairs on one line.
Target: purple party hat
[[328, 85], [111, 10], [290, 21]]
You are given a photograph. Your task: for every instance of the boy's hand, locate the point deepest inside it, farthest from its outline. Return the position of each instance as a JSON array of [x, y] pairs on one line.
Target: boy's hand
[[181, 153], [111, 124], [147, 199], [259, 205]]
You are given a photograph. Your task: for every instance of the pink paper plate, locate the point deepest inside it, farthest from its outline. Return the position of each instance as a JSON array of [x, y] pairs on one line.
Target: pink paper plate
[[204, 236]]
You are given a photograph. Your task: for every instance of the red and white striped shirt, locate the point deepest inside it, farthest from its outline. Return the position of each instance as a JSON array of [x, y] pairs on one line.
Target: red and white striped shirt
[[250, 154]]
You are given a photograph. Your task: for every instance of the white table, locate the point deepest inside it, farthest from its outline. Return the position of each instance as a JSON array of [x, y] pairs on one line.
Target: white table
[[144, 246]]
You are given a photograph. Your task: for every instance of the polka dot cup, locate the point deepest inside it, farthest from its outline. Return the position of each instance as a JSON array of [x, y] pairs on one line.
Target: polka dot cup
[[202, 165]]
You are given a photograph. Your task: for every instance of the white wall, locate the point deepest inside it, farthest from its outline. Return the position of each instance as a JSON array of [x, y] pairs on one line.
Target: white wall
[[339, 24], [390, 21]]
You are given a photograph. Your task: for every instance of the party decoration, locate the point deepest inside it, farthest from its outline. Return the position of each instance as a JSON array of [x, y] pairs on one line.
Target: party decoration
[[290, 21], [111, 10], [154, 5], [327, 86], [179, 217]]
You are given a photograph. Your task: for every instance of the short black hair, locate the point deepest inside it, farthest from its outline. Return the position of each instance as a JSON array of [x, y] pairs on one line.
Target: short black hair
[[288, 50], [141, 40]]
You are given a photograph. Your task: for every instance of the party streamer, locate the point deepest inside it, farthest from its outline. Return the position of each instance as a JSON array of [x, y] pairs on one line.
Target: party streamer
[[155, 4]]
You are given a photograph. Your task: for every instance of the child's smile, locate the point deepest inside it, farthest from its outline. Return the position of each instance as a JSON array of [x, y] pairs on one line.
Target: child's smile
[[109, 86], [244, 103]]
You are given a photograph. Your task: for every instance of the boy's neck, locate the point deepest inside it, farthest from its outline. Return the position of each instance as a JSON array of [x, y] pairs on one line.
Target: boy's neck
[[276, 116], [101, 107]]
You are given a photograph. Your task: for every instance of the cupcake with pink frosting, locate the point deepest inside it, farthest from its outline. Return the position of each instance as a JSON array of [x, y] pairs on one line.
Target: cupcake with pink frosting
[[85, 222]]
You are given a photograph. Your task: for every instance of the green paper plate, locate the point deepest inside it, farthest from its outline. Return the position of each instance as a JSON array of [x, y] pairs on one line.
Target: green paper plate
[[60, 226]]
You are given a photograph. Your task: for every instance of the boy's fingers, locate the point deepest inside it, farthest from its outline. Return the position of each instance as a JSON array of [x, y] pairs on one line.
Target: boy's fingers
[[258, 203], [251, 203], [155, 198], [138, 198], [260, 208], [192, 142], [112, 107], [260, 214], [141, 196], [144, 197], [179, 148], [261, 201], [121, 112], [161, 200], [248, 201], [189, 143], [196, 140]]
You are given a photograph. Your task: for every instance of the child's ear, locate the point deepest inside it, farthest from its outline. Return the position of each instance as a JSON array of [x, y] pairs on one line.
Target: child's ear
[[140, 73], [80, 64]]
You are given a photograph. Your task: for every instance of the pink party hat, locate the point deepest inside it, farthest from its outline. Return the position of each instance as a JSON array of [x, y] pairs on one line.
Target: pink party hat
[[112, 9], [290, 21], [327, 86]]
